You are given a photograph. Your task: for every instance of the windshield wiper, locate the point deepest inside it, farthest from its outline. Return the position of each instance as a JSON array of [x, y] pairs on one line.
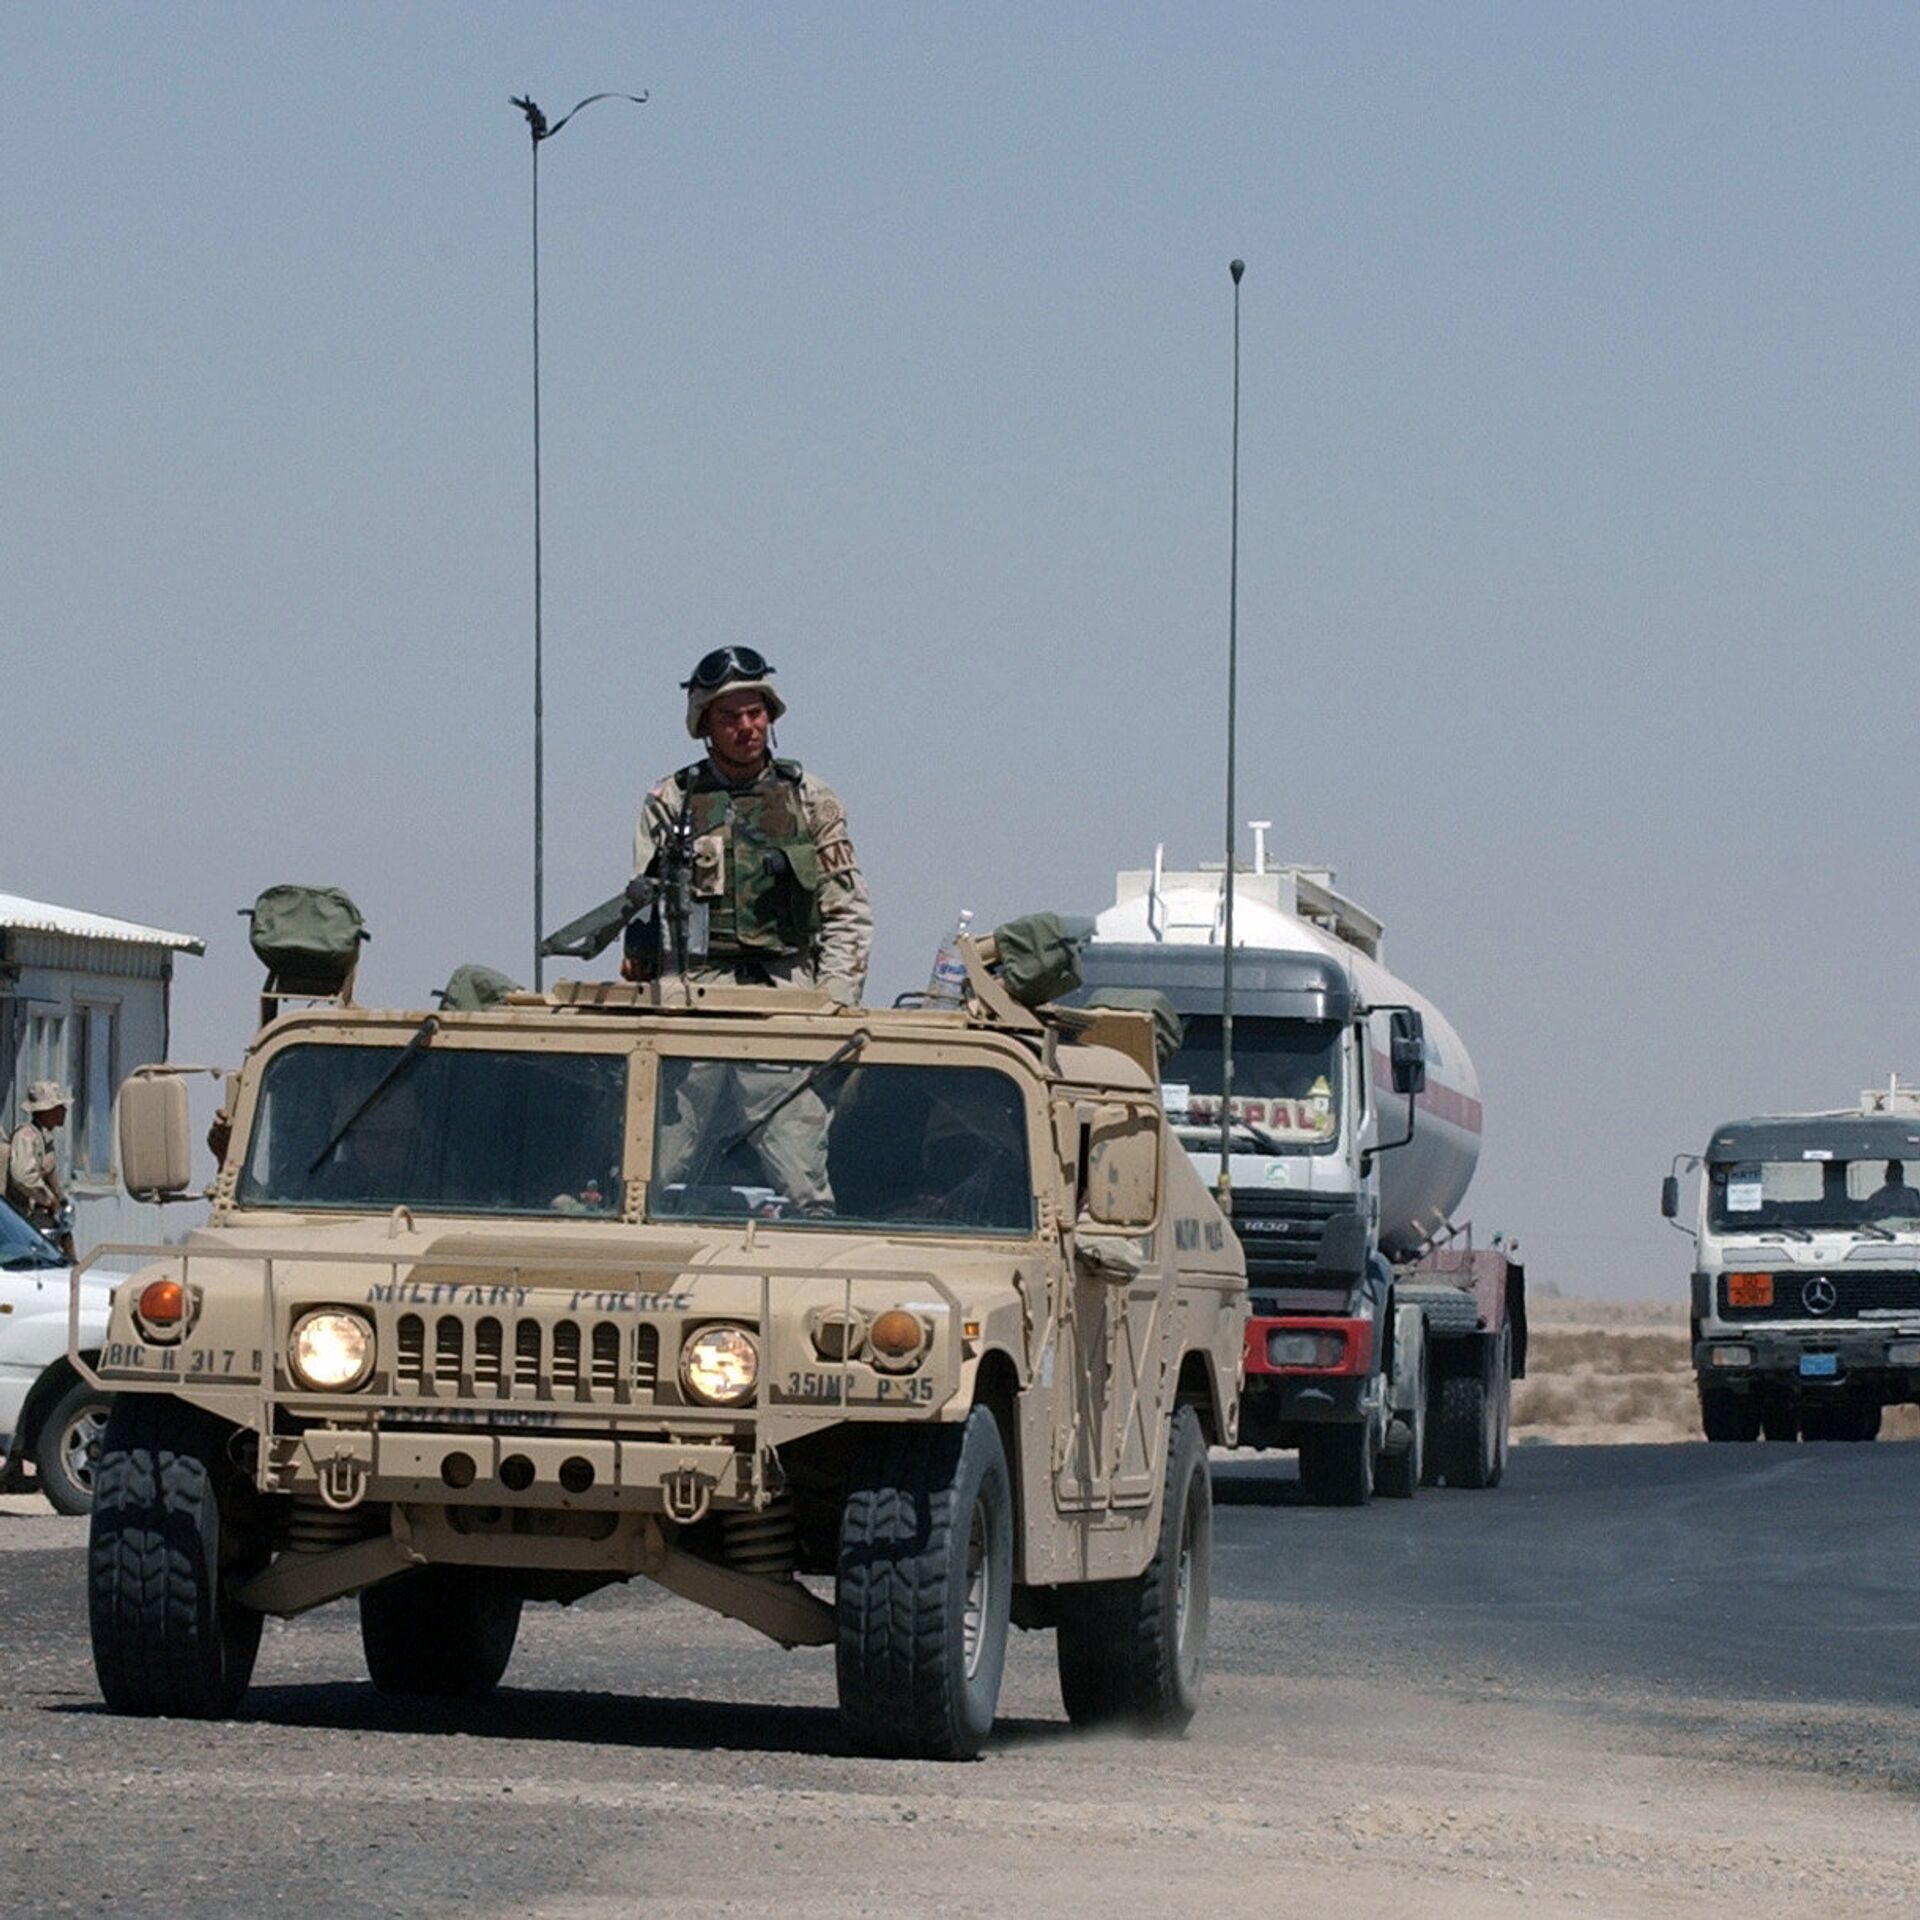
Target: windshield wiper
[[1788, 1233], [837, 1058], [23, 1262], [1866, 1228], [415, 1047]]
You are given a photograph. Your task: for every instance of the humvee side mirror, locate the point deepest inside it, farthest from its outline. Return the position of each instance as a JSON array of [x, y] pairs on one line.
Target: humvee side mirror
[[1670, 1197], [155, 1151], [1407, 1053], [1122, 1169]]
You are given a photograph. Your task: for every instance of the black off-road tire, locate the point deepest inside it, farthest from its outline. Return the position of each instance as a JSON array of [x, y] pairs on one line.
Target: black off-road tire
[[1869, 1421], [925, 1589], [1470, 1421], [66, 1450], [445, 1632], [164, 1556], [1337, 1464], [1728, 1416], [1779, 1417], [1134, 1650]]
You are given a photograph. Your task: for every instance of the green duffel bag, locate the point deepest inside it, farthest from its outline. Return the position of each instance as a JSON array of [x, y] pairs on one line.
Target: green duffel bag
[[473, 989], [308, 934], [1039, 955], [1169, 1029]]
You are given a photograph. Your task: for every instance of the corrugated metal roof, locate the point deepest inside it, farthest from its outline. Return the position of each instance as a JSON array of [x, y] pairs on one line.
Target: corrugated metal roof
[[39, 916]]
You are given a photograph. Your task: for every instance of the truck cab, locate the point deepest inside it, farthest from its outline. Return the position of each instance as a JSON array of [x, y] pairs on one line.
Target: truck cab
[[1806, 1282]]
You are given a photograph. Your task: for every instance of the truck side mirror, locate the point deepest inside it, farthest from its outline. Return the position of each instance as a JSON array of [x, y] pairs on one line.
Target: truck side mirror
[[1341, 1256], [155, 1152], [1407, 1053], [1670, 1197]]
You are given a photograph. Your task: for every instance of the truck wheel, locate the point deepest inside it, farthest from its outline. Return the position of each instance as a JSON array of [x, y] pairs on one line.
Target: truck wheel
[[1132, 1650], [1336, 1464], [447, 1632], [1399, 1476], [1471, 1421], [164, 1556], [1869, 1422], [1778, 1419], [925, 1589], [1725, 1415], [67, 1445]]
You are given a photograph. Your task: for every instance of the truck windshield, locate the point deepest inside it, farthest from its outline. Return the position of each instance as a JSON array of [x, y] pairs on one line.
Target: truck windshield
[[461, 1130], [903, 1148], [1286, 1081], [1837, 1195]]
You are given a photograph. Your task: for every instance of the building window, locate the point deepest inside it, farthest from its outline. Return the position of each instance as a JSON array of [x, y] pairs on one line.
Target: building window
[[94, 1080]]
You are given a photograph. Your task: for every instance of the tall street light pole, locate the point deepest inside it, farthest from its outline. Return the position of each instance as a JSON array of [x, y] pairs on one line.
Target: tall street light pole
[[538, 127], [1236, 268]]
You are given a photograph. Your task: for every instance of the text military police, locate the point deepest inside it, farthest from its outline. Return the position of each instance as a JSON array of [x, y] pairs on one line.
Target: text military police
[[33, 1168], [774, 867]]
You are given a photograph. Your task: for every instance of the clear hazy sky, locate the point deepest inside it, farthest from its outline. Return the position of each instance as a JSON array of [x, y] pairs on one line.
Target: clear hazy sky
[[1579, 493]]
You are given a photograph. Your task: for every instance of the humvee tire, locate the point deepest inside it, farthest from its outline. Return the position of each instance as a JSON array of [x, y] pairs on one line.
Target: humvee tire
[[443, 1631], [1727, 1416], [1132, 1650], [925, 1589], [163, 1556], [1337, 1464]]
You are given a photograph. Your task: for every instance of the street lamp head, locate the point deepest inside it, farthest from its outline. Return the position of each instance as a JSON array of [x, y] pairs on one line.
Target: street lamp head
[[536, 120], [1236, 268]]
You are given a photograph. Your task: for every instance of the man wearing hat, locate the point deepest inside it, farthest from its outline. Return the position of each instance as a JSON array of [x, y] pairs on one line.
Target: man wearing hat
[[786, 906], [33, 1170], [772, 862]]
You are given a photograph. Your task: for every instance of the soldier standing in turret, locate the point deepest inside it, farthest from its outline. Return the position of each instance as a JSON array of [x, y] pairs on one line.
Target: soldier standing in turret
[[786, 906], [772, 861]]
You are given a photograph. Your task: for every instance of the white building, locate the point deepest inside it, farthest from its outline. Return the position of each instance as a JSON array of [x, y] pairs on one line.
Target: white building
[[84, 1000]]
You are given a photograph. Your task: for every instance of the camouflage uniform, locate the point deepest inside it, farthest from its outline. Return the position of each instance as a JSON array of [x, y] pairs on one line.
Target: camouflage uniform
[[33, 1175], [755, 939], [803, 810]]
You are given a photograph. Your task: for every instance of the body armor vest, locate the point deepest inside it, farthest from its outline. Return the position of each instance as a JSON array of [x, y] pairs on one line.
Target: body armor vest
[[755, 863]]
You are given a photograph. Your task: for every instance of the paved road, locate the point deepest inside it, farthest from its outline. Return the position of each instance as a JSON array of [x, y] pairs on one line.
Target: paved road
[[1635, 1680]]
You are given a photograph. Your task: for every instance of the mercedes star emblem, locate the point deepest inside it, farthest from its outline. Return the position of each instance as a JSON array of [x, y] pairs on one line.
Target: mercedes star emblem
[[1820, 1295]]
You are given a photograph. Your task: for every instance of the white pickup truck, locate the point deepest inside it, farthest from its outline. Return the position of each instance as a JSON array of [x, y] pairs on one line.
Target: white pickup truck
[[50, 1419]]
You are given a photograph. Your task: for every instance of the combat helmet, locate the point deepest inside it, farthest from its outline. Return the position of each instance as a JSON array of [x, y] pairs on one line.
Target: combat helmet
[[729, 670]]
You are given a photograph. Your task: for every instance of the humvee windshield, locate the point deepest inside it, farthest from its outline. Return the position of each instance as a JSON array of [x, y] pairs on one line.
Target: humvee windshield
[[928, 1149], [456, 1130]]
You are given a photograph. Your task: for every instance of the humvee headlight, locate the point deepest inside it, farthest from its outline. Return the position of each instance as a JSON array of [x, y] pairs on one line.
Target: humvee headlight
[[720, 1365], [898, 1338], [330, 1350]]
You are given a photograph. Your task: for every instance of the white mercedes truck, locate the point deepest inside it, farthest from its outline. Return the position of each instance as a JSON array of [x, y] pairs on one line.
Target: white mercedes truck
[[1806, 1280], [1382, 1342]]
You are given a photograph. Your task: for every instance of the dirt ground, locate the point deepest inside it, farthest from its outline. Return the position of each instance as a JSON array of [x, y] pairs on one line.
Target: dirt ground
[[1612, 1372]]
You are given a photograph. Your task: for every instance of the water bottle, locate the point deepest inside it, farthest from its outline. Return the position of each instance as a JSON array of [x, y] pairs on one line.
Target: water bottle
[[947, 985]]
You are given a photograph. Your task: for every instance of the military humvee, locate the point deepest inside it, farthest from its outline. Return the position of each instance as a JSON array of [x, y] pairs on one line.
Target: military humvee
[[730, 1288]]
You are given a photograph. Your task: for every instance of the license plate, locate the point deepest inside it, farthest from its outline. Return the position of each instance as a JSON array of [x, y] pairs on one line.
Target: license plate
[[1819, 1366]]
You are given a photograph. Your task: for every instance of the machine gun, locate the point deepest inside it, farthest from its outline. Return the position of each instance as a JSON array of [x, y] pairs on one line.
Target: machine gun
[[665, 927]]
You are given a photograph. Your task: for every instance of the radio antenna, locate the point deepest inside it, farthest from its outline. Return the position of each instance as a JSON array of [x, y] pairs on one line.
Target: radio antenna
[[1236, 268]]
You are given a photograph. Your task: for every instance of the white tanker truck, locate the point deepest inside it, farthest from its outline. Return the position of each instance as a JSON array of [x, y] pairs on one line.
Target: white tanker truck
[[1382, 1343]]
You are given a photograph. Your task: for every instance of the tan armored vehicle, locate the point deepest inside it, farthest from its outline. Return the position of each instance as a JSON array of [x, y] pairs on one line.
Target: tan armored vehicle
[[873, 1329]]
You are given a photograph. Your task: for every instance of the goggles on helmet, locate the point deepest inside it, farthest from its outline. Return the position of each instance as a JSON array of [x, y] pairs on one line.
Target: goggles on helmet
[[728, 663]]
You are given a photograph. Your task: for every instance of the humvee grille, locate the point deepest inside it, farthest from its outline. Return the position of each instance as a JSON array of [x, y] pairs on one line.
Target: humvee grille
[[478, 1356]]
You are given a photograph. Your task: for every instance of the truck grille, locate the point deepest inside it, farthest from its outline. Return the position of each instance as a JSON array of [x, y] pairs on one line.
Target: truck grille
[[1281, 1233], [447, 1355], [1852, 1293]]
